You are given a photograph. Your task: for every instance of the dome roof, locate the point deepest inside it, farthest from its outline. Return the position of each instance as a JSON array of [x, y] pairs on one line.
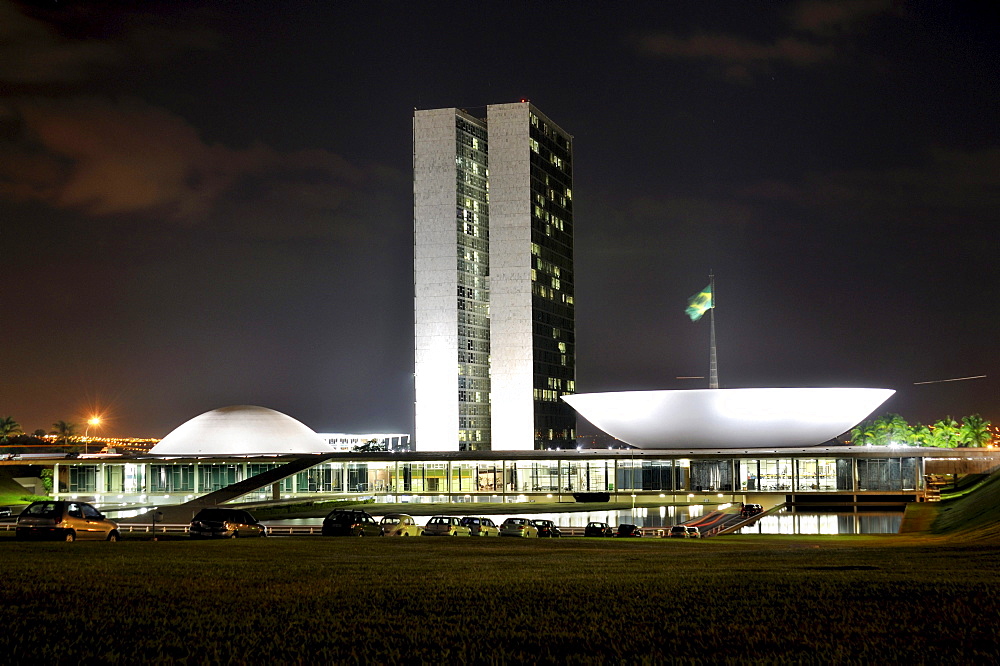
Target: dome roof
[[240, 430], [728, 418]]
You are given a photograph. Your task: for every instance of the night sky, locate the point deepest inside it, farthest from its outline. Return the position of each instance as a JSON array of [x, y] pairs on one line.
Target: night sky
[[210, 203]]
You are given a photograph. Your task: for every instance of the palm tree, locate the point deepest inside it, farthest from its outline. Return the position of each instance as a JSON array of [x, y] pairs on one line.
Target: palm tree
[[945, 433], [883, 431], [863, 433], [975, 431], [8, 427], [63, 430]]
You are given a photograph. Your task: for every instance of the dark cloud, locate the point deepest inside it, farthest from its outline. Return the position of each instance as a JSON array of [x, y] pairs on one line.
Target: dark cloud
[[731, 49], [831, 17], [814, 35], [104, 158], [92, 41], [948, 186]]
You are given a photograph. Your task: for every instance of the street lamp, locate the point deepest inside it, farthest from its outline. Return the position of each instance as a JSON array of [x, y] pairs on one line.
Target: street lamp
[[92, 421]]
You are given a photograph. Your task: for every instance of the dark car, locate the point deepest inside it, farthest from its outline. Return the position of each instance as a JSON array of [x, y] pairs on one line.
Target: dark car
[[598, 530], [546, 528], [6, 512], [750, 510], [677, 532], [65, 521], [628, 530], [350, 522], [225, 524], [481, 526]]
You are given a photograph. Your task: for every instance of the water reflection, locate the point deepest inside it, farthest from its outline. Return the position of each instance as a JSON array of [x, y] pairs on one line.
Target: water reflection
[[784, 522], [660, 516], [825, 523]]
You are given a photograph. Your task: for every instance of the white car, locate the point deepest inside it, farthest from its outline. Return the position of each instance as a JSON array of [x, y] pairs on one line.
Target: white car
[[692, 532], [399, 524], [518, 527], [446, 526]]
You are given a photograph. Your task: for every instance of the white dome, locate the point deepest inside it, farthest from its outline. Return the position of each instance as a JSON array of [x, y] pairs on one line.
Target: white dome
[[240, 430], [728, 418]]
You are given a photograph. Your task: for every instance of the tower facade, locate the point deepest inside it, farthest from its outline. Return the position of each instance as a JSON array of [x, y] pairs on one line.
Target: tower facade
[[493, 280]]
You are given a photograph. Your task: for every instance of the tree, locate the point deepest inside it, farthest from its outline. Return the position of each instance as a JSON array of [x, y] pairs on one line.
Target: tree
[[946, 433], [8, 427], [975, 431], [863, 434], [63, 431]]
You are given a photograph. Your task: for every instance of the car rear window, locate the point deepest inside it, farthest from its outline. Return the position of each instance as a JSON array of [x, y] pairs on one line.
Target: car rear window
[[219, 515], [47, 509]]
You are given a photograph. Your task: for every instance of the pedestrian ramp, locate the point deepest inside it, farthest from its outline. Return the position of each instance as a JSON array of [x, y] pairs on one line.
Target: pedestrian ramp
[[715, 522], [184, 512]]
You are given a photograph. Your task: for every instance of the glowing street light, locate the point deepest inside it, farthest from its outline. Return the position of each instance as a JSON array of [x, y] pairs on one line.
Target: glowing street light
[[92, 421]]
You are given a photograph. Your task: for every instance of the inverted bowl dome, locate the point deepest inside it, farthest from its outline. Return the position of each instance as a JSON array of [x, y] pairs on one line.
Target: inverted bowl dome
[[241, 430], [728, 418]]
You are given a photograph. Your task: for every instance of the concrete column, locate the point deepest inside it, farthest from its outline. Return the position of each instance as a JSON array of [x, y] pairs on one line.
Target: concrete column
[[55, 481]]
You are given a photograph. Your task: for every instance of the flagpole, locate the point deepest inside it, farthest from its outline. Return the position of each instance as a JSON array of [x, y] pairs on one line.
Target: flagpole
[[713, 364]]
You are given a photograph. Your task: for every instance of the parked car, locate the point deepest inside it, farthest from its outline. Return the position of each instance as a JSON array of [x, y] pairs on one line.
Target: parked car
[[692, 532], [399, 524], [225, 524], [6, 512], [64, 521], [518, 527], [628, 530], [481, 526], [446, 526], [350, 522], [750, 510], [546, 528], [598, 530], [677, 532]]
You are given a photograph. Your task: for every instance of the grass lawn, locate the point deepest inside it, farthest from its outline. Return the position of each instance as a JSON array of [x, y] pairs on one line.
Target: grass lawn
[[866, 599]]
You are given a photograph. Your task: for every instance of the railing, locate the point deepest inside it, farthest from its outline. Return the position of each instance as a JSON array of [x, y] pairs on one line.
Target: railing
[[307, 530]]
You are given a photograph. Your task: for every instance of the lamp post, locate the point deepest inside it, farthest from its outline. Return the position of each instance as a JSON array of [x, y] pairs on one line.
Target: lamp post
[[632, 480], [92, 421]]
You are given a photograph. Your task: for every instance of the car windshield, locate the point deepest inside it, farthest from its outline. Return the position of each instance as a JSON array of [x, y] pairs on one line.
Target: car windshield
[[48, 509]]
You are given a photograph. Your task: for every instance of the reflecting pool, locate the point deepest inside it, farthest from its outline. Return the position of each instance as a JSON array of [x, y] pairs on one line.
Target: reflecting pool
[[786, 522]]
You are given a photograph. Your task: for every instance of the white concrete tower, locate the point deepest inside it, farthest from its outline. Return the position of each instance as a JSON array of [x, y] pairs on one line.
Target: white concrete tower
[[493, 280]]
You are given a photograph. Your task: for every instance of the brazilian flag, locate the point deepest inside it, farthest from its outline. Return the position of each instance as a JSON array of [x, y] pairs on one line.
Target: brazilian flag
[[700, 303]]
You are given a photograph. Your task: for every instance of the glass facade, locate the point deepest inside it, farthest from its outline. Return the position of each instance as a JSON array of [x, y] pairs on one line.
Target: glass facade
[[511, 479], [473, 248], [552, 283], [172, 478]]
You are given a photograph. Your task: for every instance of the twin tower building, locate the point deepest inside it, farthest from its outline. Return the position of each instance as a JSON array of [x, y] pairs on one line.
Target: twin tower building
[[493, 280]]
